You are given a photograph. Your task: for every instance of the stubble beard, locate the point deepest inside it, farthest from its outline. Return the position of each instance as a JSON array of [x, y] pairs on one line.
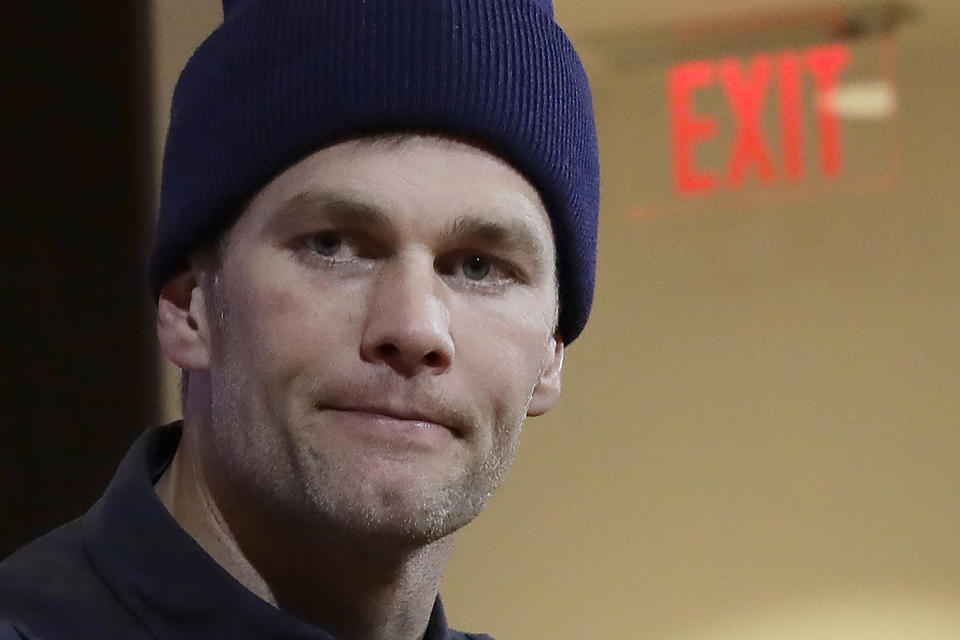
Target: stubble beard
[[302, 483], [298, 481], [402, 514]]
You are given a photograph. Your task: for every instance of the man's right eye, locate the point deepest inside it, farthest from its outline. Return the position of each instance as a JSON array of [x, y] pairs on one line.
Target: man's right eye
[[327, 243]]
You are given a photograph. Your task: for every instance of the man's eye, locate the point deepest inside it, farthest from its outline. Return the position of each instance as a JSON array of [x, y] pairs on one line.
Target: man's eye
[[476, 267], [327, 244]]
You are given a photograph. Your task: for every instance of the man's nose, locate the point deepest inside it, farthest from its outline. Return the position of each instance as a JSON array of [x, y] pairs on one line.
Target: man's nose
[[407, 325]]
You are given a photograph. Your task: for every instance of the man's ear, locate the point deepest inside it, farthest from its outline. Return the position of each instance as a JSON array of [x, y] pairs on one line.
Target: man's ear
[[547, 391], [182, 323]]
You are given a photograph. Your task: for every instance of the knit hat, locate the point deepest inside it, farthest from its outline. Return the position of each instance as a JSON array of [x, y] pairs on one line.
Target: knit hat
[[280, 79]]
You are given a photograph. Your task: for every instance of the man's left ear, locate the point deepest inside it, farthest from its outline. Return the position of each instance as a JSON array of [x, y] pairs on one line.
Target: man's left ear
[[547, 391]]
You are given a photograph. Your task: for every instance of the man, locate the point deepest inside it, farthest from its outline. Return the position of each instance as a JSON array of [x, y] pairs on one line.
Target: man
[[377, 233]]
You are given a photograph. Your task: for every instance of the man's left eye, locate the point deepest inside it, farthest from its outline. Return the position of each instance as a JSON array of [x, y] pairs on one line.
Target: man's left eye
[[476, 267], [327, 244]]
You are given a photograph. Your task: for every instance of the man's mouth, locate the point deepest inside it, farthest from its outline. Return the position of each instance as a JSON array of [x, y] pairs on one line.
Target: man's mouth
[[396, 416]]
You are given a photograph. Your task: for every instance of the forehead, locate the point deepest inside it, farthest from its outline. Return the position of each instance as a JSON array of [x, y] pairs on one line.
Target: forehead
[[410, 180]]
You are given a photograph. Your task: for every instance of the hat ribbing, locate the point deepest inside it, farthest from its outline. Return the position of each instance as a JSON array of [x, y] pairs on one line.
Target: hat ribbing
[[281, 79]]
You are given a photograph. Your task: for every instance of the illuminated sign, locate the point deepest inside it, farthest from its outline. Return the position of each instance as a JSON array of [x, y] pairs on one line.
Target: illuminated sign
[[748, 86]]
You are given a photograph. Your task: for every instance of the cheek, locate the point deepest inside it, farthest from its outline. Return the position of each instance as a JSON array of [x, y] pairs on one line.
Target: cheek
[[516, 330], [279, 334], [503, 354]]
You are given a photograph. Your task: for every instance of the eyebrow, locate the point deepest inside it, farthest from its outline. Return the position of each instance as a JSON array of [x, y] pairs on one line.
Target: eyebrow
[[338, 208], [512, 234]]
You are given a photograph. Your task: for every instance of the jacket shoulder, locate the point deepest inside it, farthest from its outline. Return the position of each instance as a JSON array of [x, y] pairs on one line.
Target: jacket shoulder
[[9, 631], [49, 589]]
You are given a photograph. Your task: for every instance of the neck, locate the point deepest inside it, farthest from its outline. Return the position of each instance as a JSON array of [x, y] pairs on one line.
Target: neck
[[348, 584]]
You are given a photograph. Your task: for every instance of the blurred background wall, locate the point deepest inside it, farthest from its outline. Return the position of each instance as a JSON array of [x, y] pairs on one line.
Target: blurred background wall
[[758, 437]]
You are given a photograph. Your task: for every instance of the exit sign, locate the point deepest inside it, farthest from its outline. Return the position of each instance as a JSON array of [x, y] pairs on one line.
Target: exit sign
[[760, 111], [778, 119], [748, 87]]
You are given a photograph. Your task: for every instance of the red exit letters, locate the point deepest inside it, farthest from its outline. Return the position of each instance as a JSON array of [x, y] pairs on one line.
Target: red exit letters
[[746, 89]]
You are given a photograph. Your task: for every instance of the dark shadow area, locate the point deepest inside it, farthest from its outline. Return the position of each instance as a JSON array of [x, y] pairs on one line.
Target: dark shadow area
[[78, 353]]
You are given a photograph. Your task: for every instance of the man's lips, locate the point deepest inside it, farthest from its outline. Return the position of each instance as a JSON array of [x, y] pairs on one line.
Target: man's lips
[[412, 416]]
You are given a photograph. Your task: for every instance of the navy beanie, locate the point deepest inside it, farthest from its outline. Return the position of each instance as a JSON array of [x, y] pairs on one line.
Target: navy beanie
[[280, 79]]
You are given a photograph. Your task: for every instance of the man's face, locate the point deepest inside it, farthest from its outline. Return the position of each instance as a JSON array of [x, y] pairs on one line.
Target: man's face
[[380, 323]]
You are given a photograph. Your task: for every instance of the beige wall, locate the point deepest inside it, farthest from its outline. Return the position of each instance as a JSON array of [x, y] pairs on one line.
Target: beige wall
[[758, 437]]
